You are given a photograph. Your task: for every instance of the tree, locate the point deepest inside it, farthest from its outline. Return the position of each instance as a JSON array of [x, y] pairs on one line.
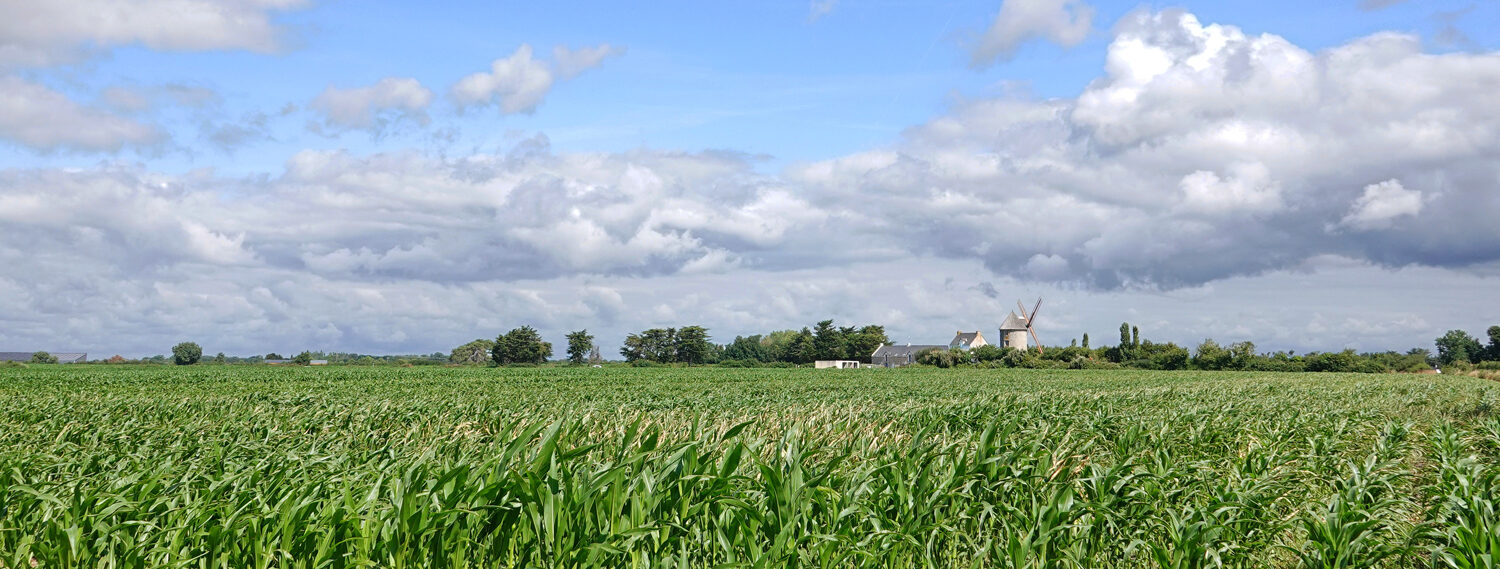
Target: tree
[[1494, 351], [828, 342], [304, 358], [691, 346], [863, 342], [43, 358], [1085, 340], [747, 349], [186, 354], [1458, 346], [579, 344], [1211, 356], [220, 359], [1135, 338], [800, 349], [475, 352], [274, 356], [520, 346]]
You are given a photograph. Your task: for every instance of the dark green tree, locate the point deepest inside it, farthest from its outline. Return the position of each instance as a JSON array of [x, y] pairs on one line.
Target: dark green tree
[[1085, 340], [691, 346], [800, 350], [1211, 356], [304, 358], [579, 344], [520, 346], [220, 359], [186, 354], [43, 358], [475, 352], [828, 342], [274, 356], [1135, 338], [864, 341], [1458, 346], [1494, 349], [748, 349]]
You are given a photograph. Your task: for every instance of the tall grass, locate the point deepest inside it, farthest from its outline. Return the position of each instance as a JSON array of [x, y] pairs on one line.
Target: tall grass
[[424, 467]]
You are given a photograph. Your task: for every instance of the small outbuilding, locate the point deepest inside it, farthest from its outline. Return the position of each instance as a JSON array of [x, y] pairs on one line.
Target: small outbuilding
[[836, 364]]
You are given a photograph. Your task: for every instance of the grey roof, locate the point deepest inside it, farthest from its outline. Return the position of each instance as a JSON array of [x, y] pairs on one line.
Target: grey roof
[[1012, 323], [964, 338], [62, 357], [903, 351]]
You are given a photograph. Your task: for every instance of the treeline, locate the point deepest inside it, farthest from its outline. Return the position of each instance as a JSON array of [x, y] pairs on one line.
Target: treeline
[[691, 345], [1455, 349]]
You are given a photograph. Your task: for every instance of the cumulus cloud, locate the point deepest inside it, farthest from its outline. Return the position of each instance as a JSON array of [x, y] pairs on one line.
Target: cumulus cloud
[[518, 83], [571, 62], [1202, 153], [1064, 22], [1381, 204], [37, 117], [61, 31], [372, 107]]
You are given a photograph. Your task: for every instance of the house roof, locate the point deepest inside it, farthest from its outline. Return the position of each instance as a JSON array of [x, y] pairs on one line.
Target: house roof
[[903, 351], [964, 338], [1012, 323]]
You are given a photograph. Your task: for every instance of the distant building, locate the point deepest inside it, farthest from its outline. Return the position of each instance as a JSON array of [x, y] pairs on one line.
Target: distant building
[[1013, 332], [967, 340], [898, 356], [62, 357], [836, 364]]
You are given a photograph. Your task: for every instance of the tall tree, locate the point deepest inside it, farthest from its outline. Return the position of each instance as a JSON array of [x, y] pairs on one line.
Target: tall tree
[[521, 346], [1135, 337], [1458, 346], [828, 343], [747, 348], [800, 349], [186, 354], [863, 342], [692, 345], [578, 345], [1494, 351], [1085, 340]]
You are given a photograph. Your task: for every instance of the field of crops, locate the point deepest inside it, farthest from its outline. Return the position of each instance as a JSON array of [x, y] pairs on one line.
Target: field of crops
[[240, 467]]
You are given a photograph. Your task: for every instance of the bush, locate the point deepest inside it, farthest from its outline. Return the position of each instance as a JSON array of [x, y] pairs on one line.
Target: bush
[[1342, 362], [186, 354], [43, 358]]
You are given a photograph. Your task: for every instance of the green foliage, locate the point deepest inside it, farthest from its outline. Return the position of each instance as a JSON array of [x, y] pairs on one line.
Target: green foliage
[[475, 352], [692, 346], [302, 359], [521, 345], [677, 467], [42, 358], [1458, 346], [579, 345], [186, 353], [220, 358], [274, 356]]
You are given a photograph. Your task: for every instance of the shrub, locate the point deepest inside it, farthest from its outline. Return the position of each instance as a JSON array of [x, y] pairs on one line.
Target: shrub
[[43, 358]]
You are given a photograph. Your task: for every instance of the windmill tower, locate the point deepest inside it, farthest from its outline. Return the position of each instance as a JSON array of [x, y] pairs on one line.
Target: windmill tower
[[1014, 330]]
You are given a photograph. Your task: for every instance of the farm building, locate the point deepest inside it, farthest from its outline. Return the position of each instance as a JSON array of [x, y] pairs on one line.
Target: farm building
[[967, 340], [836, 364], [897, 356], [62, 357]]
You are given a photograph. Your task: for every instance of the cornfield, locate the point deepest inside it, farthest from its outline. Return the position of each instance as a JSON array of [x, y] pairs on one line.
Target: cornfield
[[230, 467]]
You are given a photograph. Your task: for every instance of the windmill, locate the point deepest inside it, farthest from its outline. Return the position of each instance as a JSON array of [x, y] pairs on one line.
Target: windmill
[[1014, 330]]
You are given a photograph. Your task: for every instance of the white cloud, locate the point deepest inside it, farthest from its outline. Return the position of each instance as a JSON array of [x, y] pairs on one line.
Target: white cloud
[[1381, 204], [1249, 189], [1064, 22], [38, 117], [571, 62], [518, 82], [372, 107], [61, 31]]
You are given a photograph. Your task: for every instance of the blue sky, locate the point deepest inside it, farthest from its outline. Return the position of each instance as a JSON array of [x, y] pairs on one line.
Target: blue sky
[[795, 144]]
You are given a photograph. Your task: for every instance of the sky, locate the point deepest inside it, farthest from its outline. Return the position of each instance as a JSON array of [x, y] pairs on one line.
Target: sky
[[396, 177]]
